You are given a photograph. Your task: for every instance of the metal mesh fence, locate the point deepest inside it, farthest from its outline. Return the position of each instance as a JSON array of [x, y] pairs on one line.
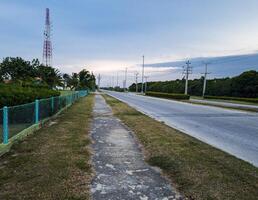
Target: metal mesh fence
[[17, 118], [45, 108], [20, 117]]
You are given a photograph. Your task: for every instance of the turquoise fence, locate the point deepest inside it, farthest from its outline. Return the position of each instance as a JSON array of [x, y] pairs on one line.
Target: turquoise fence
[[17, 118]]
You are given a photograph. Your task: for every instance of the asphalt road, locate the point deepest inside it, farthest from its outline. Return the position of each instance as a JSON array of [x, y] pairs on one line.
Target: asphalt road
[[235, 132]]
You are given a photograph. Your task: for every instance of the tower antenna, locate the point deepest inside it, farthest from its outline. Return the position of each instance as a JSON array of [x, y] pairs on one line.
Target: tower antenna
[[47, 46]]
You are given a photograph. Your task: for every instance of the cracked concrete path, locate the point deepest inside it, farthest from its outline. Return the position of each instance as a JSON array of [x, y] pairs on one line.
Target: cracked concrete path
[[121, 172]]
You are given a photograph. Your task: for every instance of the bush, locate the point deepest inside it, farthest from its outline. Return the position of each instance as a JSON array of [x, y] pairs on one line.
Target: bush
[[11, 94], [251, 100], [169, 95]]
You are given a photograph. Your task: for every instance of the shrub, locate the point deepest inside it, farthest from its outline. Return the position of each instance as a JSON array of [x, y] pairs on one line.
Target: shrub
[[251, 100], [169, 95], [11, 94]]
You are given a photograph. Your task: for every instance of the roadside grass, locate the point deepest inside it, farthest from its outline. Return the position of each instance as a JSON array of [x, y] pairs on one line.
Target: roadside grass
[[66, 92], [223, 106], [226, 101], [214, 105], [52, 163], [196, 169]]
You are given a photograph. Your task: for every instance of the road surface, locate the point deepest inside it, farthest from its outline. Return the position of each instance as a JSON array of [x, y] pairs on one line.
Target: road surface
[[235, 132]]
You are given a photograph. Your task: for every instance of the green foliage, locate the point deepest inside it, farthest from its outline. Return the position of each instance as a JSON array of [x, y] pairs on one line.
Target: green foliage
[[81, 81], [49, 75], [117, 89], [11, 94], [244, 85], [251, 100], [168, 95], [20, 71]]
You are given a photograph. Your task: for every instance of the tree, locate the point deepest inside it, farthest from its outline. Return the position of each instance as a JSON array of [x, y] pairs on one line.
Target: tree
[[66, 78], [86, 80], [74, 81], [244, 85], [49, 75], [16, 69]]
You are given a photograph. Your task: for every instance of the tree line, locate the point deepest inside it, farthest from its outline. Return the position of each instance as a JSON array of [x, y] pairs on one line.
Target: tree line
[[244, 85], [16, 70]]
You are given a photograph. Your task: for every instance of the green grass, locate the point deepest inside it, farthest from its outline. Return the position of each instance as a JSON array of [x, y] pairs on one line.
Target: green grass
[[66, 92], [52, 163], [196, 169], [226, 101], [249, 109]]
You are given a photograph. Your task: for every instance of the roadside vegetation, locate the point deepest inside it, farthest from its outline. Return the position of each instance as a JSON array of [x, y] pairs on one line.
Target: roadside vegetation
[[23, 81], [244, 85], [13, 94], [197, 170], [168, 95], [242, 108], [235, 99], [52, 163]]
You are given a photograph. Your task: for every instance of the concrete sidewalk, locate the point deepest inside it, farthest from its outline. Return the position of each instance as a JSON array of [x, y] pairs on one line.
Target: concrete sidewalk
[[121, 172]]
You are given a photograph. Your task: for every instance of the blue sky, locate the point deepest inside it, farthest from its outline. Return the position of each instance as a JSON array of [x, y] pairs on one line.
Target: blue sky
[[107, 36]]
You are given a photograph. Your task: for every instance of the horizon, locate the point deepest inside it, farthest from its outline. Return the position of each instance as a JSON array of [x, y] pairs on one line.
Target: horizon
[[105, 37]]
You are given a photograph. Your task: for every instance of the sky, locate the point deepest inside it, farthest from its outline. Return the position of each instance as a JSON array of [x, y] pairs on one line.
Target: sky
[[107, 36]]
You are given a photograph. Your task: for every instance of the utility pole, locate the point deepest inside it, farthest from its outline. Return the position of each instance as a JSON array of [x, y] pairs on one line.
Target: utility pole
[[116, 79], [113, 82], [136, 81], [205, 79], [146, 79], [99, 81], [142, 72], [187, 71], [125, 78]]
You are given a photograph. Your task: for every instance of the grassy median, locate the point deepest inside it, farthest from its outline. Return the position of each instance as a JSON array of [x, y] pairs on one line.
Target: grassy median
[[53, 163], [196, 169]]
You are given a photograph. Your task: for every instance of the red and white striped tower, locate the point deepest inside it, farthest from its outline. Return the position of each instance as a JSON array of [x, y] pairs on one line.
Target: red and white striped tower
[[47, 46]]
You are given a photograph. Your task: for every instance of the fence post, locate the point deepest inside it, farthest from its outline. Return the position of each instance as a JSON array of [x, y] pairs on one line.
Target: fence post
[[36, 111], [5, 125], [52, 104]]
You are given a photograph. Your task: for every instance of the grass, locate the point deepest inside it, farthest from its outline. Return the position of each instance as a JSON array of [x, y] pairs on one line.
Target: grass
[[226, 101], [196, 169], [249, 109], [53, 163], [66, 92]]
